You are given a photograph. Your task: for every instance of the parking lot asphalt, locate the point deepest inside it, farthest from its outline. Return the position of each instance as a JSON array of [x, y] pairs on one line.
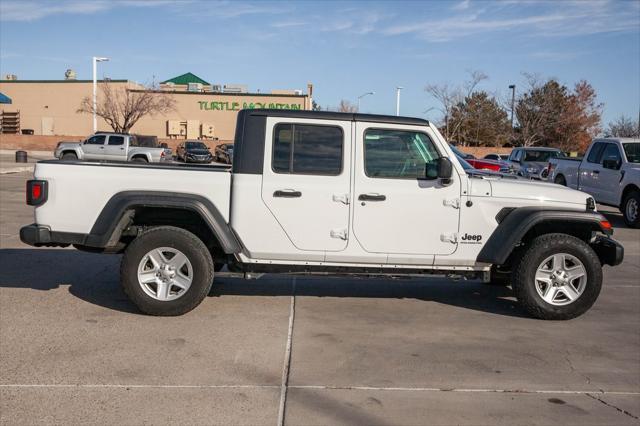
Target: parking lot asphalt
[[74, 350]]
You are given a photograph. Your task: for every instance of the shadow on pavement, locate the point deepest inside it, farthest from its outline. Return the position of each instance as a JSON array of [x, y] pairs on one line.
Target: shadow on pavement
[[94, 278]]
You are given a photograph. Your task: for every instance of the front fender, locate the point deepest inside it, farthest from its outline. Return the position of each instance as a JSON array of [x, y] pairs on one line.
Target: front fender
[[514, 225]]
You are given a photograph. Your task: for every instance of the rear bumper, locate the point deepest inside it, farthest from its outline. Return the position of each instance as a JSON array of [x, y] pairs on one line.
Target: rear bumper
[[609, 250], [38, 236]]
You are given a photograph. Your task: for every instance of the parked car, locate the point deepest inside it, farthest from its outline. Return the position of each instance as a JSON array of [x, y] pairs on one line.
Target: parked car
[[531, 162], [224, 153], [193, 152], [316, 192], [110, 146], [496, 166], [498, 157], [610, 172]]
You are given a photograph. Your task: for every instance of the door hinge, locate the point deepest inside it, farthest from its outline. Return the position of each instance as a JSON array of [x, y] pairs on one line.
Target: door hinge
[[339, 233], [453, 202], [452, 238], [341, 198]]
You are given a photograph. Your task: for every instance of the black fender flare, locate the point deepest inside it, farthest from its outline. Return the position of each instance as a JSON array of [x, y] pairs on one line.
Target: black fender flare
[[514, 224], [114, 216]]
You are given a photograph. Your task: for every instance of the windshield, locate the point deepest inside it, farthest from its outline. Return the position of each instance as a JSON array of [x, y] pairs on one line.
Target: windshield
[[195, 145], [540, 156], [632, 151], [465, 165]]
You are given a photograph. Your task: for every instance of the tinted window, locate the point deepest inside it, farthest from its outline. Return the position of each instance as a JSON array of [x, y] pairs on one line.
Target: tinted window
[[195, 145], [632, 150], [611, 152], [96, 140], [594, 154], [392, 153], [539, 156], [307, 149], [515, 155], [116, 140]]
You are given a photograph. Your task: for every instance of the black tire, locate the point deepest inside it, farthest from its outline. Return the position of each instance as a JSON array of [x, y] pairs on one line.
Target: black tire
[[195, 251], [523, 282], [69, 156], [560, 180], [631, 197], [139, 160]]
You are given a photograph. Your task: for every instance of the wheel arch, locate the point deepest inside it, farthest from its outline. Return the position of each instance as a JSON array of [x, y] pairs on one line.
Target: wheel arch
[[627, 189], [520, 225], [146, 156], [157, 208]]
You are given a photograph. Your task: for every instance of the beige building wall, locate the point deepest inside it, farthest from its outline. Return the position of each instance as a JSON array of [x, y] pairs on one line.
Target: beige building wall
[[51, 106]]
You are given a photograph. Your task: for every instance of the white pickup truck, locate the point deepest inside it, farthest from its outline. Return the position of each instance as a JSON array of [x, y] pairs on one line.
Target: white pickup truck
[[609, 171], [110, 147], [325, 193]]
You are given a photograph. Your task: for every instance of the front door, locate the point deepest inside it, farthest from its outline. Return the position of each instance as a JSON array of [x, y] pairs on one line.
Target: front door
[[397, 210], [93, 147], [590, 170], [305, 182], [609, 177]]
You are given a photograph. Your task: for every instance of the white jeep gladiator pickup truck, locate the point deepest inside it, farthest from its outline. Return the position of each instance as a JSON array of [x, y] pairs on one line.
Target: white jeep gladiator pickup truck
[[325, 193], [110, 147], [609, 171]]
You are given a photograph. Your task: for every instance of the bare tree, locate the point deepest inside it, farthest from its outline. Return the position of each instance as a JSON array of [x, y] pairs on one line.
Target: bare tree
[[623, 127], [451, 96], [122, 107], [346, 106]]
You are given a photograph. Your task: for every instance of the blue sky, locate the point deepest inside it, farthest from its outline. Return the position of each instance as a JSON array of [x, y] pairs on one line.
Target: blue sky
[[343, 48]]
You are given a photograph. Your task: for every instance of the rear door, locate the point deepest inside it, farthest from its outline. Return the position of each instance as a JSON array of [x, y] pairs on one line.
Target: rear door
[[305, 182], [397, 210], [115, 149], [93, 147]]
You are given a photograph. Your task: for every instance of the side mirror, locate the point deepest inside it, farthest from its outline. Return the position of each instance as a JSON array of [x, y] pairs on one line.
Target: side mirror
[[611, 163], [440, 169], [445, 168]]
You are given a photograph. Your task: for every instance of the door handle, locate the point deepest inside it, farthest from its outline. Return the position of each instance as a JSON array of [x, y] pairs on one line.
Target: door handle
[[288, 193], [371, 197], [102, 147]]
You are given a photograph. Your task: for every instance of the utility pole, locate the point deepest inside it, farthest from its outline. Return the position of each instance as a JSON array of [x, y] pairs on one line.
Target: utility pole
[[398, 89], [96, 59]]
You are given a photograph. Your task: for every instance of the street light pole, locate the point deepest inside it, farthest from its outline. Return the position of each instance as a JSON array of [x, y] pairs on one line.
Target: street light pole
[[513, 101], [398, 89], [362, 96], [96, 59]]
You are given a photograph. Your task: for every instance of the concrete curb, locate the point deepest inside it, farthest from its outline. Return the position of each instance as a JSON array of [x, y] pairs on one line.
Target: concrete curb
[[8, 170]]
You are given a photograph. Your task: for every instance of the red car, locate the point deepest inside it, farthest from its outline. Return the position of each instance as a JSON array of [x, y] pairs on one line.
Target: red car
[[493, 165]]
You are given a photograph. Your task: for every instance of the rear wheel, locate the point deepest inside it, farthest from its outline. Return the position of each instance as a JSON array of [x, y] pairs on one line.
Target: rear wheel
[[69, 156], [558, 277], [139, 160], [631, 209], [166, 271], [560, 180]]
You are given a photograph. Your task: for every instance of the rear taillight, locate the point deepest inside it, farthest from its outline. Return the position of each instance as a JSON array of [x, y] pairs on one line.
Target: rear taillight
[[37, 192]]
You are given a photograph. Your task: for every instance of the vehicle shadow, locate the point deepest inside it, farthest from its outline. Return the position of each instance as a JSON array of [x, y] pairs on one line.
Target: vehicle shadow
[[94, 278]]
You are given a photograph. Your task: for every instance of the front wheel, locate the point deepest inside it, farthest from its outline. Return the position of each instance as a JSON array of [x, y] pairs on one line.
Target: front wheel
[[631, 209], [69, 156], [559, 277], [560, 180], [166, 271]]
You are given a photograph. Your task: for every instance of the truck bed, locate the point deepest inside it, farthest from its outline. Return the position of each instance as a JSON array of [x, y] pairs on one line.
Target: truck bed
[[88, 186]]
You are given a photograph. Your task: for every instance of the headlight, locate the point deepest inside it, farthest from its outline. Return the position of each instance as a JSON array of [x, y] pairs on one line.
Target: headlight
[[532, 170]]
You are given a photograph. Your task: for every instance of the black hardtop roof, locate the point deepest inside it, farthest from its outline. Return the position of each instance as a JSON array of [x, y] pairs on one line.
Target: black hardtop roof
[[344, 116]]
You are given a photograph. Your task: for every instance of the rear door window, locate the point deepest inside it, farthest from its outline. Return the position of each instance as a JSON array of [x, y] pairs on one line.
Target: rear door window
[[307, 149], [116, 140]]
